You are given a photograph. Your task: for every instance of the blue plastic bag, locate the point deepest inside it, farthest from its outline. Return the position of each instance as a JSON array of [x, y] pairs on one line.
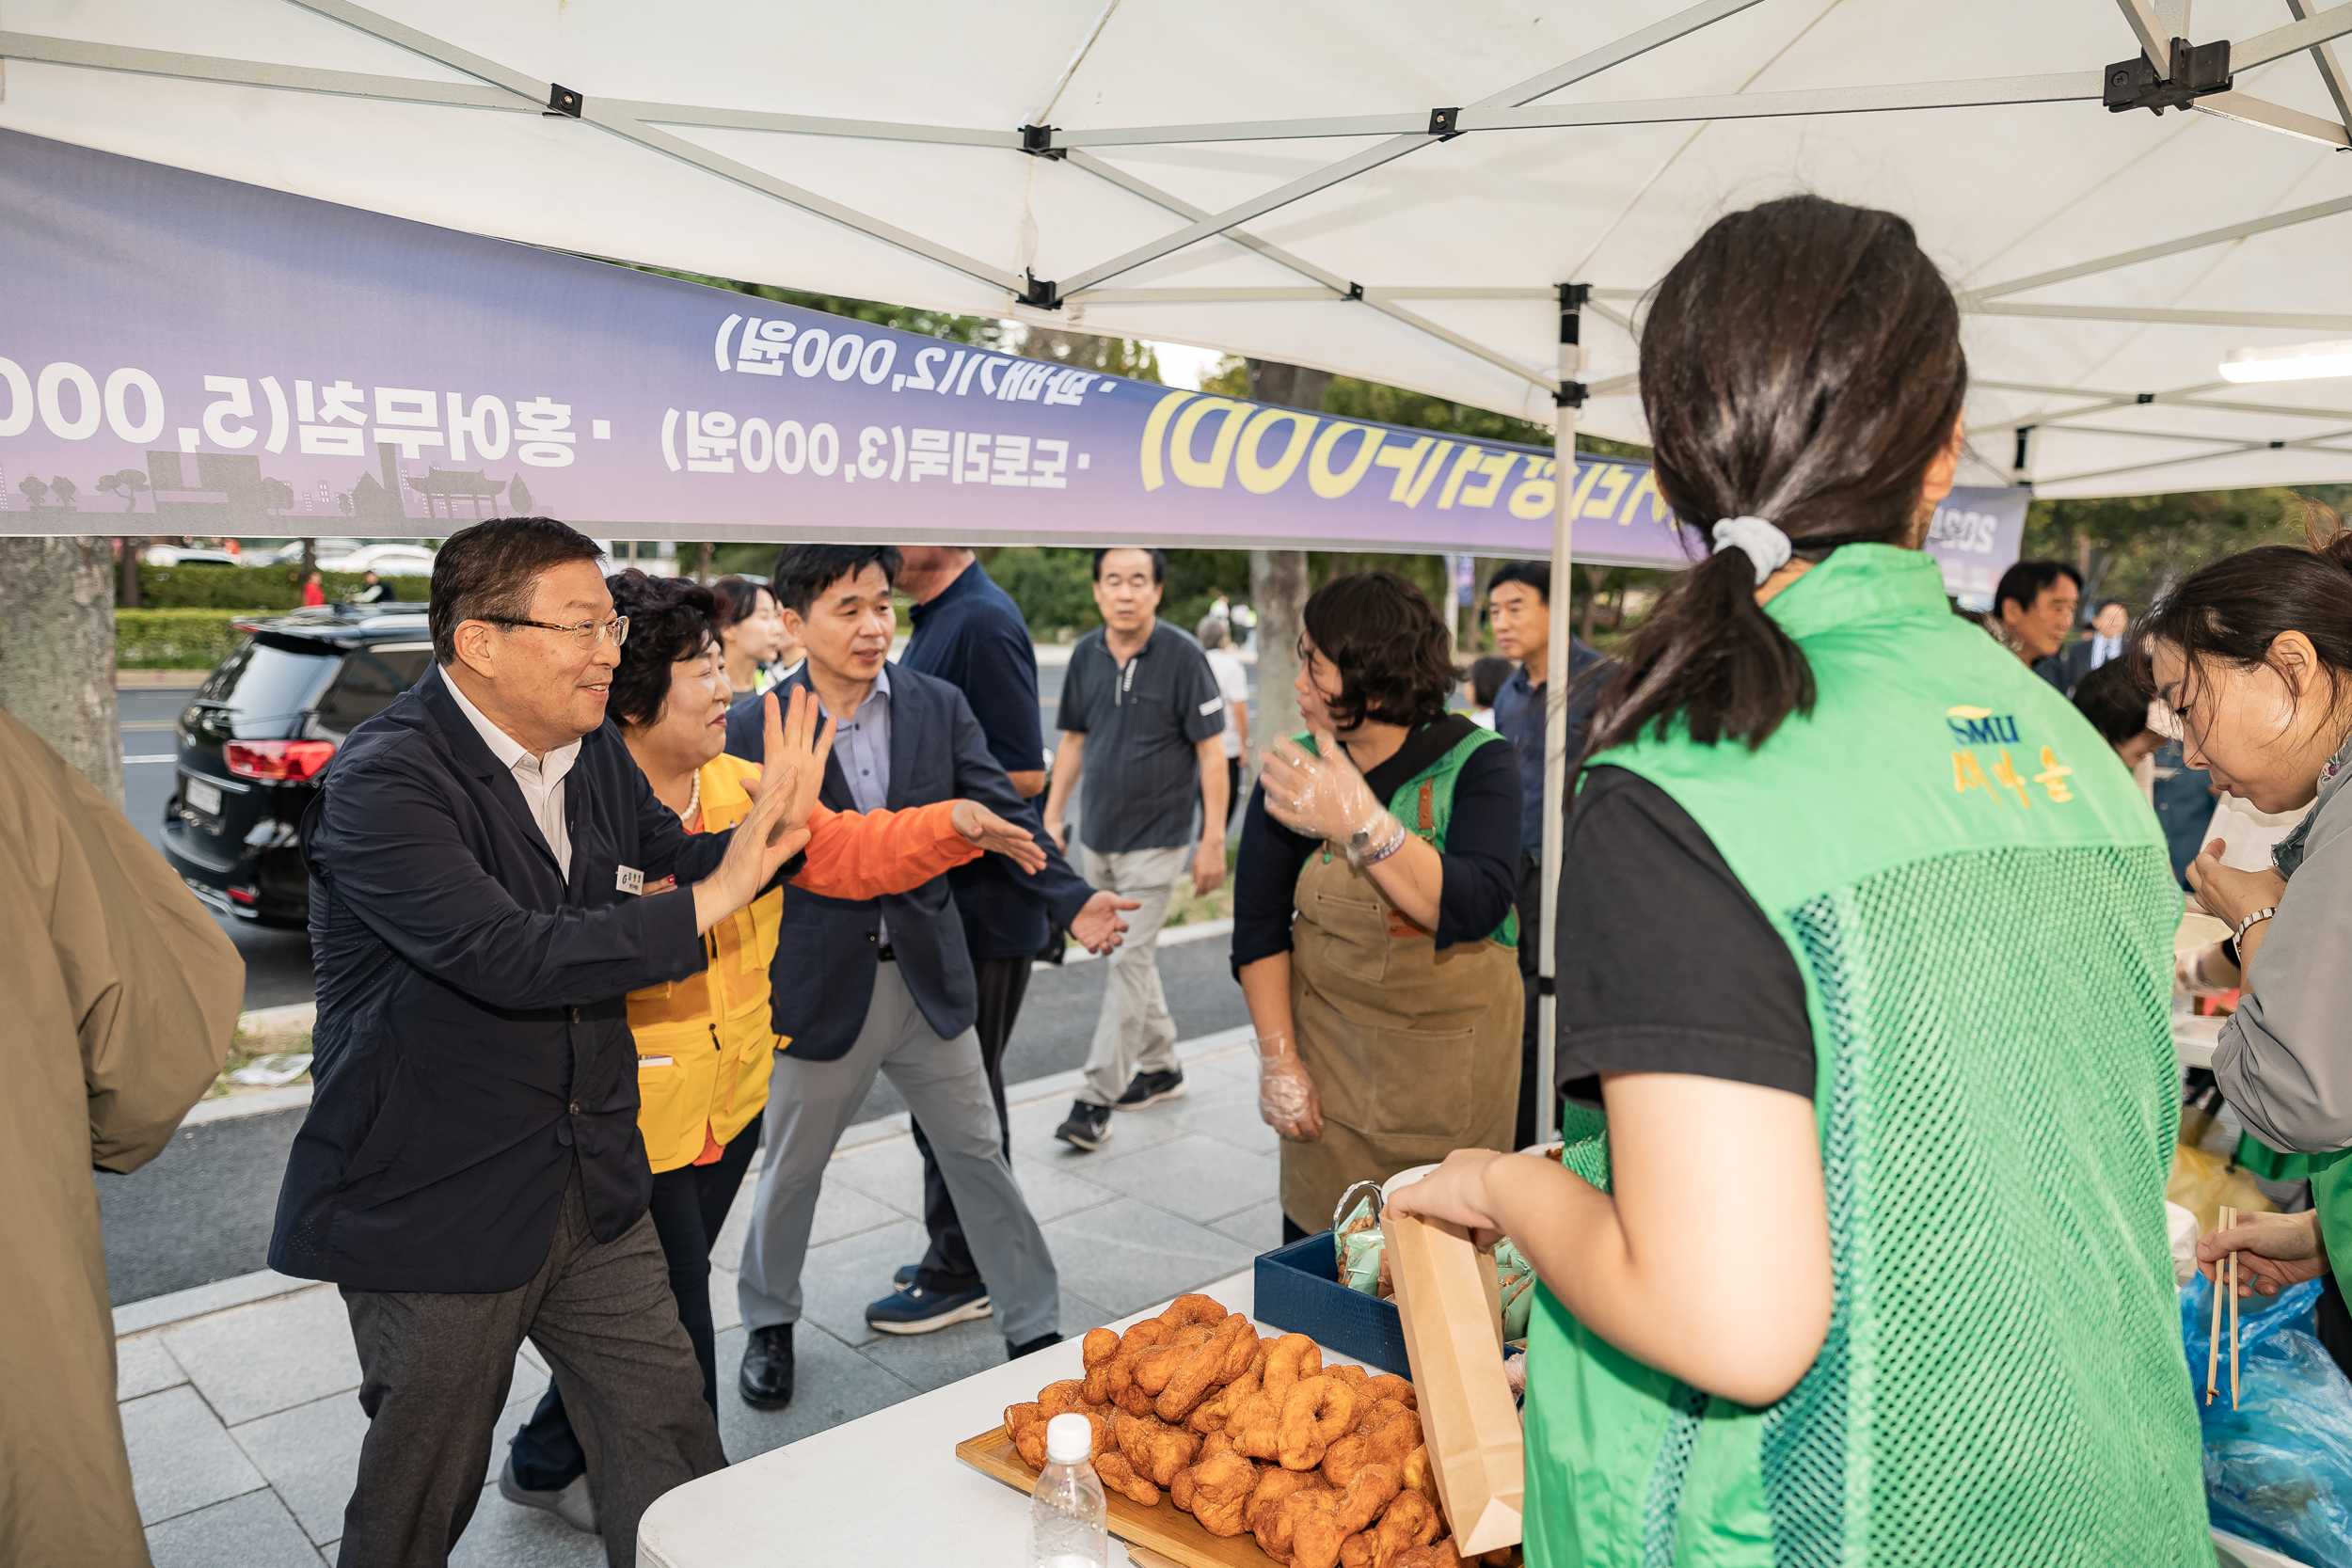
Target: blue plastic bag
[[2278, 1468]]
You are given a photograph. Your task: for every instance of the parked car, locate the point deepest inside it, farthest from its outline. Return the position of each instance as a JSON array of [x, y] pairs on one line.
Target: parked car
[[259, 734], [384, 560], [176, 555]]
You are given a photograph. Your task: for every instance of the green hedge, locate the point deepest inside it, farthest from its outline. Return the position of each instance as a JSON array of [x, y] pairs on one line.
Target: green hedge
[[175, 638], [206, 587]]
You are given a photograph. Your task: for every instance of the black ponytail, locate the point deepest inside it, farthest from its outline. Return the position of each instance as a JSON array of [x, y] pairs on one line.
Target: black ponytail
[[1800, 363]]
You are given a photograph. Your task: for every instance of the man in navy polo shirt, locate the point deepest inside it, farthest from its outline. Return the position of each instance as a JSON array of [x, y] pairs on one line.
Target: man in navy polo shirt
[[969, 633]]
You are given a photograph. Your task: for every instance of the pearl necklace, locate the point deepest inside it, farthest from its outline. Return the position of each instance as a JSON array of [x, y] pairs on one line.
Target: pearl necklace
[[694, 799]]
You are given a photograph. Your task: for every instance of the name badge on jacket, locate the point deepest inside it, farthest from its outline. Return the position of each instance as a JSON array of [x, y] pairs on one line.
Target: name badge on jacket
[[628, 880]]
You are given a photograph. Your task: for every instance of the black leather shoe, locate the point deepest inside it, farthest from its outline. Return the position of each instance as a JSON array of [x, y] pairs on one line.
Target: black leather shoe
[[1044, 1341], [766, 1380]]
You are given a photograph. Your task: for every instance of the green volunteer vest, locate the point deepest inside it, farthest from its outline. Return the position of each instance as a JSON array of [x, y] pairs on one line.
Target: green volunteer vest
[[1425, 803], [1981, 906]]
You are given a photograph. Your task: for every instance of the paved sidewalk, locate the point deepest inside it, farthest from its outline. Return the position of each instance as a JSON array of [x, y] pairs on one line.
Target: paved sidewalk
[[238, 1397]]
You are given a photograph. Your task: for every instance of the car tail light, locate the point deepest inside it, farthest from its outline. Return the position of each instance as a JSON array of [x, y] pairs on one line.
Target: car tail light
[[243, 896], [286, 761]]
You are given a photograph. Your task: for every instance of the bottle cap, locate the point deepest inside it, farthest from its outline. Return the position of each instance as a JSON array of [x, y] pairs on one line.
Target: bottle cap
[[1069, 1439]]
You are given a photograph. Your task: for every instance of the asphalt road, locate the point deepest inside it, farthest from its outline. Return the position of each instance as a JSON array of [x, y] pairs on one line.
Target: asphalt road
[[202, 1209]]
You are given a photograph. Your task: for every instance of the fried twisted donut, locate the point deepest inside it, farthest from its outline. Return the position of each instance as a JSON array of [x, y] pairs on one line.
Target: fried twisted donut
[[1202, 1370], [1437, 1554], [1193, 1308], [1356, 1551], [1371, 1416], [1387, 1386], [1242, 1352], [1116, 1473], [1111, 1374], [1278, 1522], [1316, 1413], [1354, 1377], [1416, 1475], [1255, 1426], [1275, 1487], [1343, 1458], [1411, 1520], [1221, 1489], [1179, 1490], [1394, 1440], [1211, 1414], [1156, 1449], [1213, 1443], [1056, 1398], [1293, 1357], [1319, 1531], [1154, 1367], [1026, 1424]]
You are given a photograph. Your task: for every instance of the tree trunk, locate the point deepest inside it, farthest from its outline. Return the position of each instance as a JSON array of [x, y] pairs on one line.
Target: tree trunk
[[310, 554], [1596, 578], [1277, 578], [131, 550], [57, 651], [702, 561]]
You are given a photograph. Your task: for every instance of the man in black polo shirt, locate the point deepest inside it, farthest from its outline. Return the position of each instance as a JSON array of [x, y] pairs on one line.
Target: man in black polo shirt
[[1142, 718]]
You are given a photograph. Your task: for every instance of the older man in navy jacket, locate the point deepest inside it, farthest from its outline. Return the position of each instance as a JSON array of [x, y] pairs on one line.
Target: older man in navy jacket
[[886, 986], [470, 1171]]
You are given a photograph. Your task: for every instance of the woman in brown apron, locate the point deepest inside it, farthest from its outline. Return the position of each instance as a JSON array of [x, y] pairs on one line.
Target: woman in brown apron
[[1373, 925]]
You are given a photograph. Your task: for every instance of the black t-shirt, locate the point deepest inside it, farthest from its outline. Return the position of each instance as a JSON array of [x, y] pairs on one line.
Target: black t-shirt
[[1666, 962], [1479, 858], [1143, 722]]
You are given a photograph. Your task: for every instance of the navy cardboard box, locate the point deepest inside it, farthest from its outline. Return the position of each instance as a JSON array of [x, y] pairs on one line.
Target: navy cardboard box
[[1299, 1290]]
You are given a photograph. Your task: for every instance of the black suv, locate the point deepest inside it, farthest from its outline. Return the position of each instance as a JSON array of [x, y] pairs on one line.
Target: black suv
[[259, 734]]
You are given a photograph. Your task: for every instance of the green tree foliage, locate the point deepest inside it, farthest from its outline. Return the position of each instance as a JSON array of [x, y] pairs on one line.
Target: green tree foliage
[[1122, 356], [2137, 548]]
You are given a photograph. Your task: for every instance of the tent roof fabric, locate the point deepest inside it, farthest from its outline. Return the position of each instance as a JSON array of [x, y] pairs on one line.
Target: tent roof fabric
[[1380, 188]]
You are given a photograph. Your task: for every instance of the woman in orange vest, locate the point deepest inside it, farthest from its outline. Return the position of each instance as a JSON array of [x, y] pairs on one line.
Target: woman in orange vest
[[704, 1044]]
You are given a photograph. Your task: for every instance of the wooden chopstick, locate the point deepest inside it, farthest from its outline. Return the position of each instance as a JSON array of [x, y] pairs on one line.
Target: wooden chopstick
[[2213, 1340], [2234, 1389]]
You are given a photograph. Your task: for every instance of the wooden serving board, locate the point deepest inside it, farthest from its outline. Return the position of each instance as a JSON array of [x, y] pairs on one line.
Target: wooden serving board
[[1165, 1531]]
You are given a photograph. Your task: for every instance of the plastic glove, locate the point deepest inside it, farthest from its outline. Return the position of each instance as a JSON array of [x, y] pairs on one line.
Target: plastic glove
[[1286, 1091], [1321, 796]]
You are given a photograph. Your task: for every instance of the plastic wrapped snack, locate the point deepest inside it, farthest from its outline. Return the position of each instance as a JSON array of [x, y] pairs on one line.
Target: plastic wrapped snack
[[2278, 1468]]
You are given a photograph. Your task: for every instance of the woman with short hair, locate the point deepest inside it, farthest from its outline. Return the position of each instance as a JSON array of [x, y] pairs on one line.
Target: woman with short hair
[[705, 1047], [1865, 936], [1373, 925]]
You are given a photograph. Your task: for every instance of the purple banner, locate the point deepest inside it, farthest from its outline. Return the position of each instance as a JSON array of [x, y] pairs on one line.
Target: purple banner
[[183, 355]]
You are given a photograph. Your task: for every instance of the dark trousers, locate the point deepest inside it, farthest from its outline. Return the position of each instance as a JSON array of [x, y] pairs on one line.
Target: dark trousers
[[1531, 908], [689, 1208], [435, 1369], [947, 1266], [1233, 801]]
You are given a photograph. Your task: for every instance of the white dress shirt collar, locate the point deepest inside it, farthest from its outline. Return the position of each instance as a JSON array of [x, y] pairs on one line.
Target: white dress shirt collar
[[539, 778]]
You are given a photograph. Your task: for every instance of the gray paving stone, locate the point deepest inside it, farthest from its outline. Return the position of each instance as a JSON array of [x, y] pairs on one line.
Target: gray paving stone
[[1128, 1255], [1194, 1177], [726, 1312], [270, 1357], [143, 1366], [252, 1531], [1057, 1189], [1258, 1228], [182, 1459], [1228, 1070], [311, 1455], [134, 1316], [832, 1384], [500, 1535], [929, 1361], [1033, 1134], [839, 1279], [1229, 1116], [890, 1172]]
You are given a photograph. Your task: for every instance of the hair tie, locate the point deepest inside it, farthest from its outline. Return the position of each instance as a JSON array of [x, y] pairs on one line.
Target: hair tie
[[1765, 544]]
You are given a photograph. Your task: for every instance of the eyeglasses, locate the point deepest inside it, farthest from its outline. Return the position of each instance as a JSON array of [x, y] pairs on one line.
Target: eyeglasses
[[588, 634]]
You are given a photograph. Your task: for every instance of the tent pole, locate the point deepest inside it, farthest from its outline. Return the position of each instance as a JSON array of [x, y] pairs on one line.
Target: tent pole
[[1568, 399]]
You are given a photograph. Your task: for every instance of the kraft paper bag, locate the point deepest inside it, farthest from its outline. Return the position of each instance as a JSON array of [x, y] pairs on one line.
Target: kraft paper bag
[[1452, 1309]]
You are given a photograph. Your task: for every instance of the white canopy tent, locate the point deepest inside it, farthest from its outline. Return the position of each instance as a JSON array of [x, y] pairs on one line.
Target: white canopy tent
[[1379, 188]]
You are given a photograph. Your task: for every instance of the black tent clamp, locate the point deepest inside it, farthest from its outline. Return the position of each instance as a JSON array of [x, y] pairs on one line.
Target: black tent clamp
[[562, 103], [2195, 70]]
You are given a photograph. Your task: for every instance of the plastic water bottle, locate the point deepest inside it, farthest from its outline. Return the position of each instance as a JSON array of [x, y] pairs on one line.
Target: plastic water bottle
[[1068, 1524]]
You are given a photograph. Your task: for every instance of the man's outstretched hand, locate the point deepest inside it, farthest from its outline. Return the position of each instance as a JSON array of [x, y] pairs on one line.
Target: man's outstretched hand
[[776, 828], [994, 834], [1098, 928]]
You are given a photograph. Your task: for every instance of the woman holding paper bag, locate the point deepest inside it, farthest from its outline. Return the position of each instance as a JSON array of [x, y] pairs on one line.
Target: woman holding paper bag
[[1822, 1292], [1373, 925]]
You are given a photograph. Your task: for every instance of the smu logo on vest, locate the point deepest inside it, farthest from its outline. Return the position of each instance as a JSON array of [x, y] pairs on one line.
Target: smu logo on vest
[[1981, 726]]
